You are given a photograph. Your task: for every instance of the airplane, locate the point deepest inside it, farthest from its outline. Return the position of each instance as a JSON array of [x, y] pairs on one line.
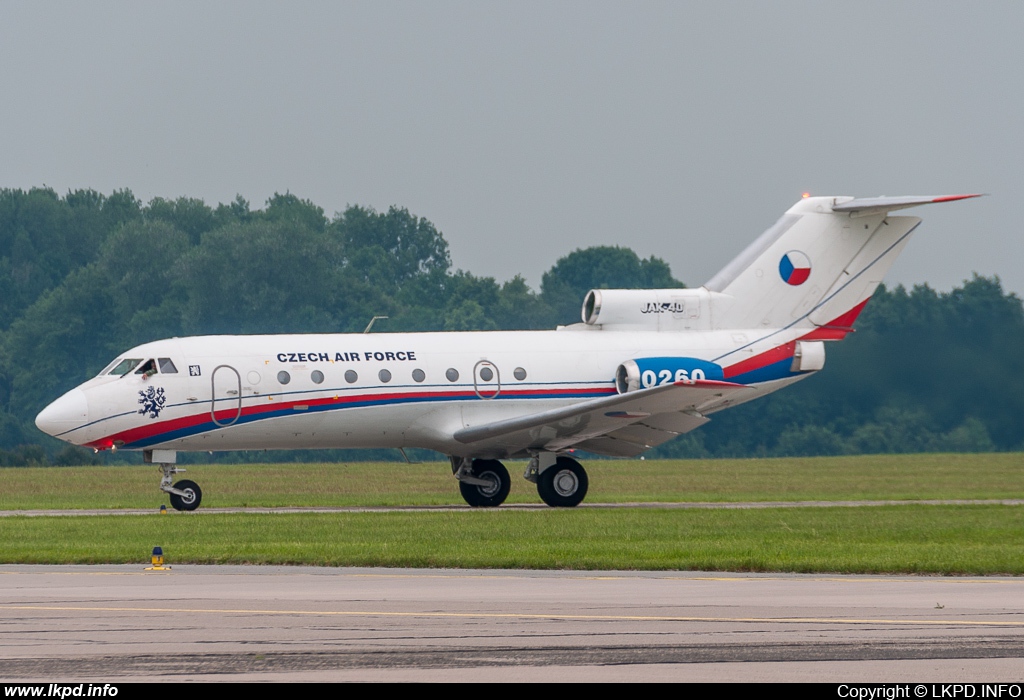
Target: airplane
[[641, 367]]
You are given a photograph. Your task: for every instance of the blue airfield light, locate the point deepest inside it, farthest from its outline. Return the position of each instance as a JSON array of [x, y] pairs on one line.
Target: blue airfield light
[[158, 560]]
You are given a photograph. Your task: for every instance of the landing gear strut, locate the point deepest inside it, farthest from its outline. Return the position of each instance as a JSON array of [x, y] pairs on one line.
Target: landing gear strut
[[185, 494], [563, 484], [484, 483]]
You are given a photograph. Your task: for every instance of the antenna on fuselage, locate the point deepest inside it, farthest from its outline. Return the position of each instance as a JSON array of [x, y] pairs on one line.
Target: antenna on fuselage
[[402, 450], [370, 324]]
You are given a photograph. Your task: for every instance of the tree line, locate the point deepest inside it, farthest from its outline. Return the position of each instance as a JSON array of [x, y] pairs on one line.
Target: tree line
[[85, 276]]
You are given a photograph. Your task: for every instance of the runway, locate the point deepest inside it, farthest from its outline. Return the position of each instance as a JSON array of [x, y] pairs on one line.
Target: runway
[[109, 623]]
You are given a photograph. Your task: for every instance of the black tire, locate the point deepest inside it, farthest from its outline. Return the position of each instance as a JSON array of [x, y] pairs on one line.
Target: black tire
[[487, 496], [563, 485], [192, 498]]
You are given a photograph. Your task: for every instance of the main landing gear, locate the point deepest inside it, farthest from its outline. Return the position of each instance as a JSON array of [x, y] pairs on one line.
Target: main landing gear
[[484, 483], [184, 494], [564, 484], [561, 481]]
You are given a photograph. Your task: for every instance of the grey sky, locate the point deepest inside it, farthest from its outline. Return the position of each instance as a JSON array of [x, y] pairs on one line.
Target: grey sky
[[527, 130]]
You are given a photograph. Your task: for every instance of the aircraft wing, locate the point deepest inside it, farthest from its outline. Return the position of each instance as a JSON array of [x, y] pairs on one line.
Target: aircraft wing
[[622, 425]]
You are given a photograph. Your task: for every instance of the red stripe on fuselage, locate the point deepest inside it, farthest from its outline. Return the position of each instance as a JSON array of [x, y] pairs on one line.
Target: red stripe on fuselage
[[836, 329], [770, 357], [144, 432]]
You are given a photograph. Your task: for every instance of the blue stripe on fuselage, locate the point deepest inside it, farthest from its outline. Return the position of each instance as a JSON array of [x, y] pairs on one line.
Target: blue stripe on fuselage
[[289, 410], [776, 370]]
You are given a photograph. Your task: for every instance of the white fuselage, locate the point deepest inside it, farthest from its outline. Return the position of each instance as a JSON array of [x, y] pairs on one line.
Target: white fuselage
[[229, 392]]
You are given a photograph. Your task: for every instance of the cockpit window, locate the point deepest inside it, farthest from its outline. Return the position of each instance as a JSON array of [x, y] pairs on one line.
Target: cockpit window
[[107, 369], [147, 368], [124, 366], [166, 366]]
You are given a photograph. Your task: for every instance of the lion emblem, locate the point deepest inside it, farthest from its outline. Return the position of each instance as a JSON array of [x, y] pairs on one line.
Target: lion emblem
[[152, 400]]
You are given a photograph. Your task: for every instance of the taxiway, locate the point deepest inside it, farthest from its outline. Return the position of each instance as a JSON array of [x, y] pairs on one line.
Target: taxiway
[[110, 623]]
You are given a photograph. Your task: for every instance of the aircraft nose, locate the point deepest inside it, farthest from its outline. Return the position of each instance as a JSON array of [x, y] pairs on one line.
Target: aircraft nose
[[66, 413]]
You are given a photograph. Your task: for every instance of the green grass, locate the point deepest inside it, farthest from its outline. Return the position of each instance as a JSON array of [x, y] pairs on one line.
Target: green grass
[[873, 477], [903, 539], [985, 539]]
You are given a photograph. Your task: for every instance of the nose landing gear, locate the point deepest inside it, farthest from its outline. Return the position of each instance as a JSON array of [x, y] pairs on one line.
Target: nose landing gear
[[185, 494]]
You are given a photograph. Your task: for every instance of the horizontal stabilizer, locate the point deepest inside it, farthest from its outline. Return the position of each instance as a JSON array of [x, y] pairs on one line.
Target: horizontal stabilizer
[[881, 205], [562, 428]]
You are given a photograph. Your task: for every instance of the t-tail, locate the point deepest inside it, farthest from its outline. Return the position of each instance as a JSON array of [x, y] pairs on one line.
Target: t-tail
[[817, 266], [813, 270]]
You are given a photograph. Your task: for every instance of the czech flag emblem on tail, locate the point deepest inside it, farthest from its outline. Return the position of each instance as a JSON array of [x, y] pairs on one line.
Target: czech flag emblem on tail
[[795, 268]]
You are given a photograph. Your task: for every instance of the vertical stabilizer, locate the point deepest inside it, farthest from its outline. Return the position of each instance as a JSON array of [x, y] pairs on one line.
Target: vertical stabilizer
[[817, 266]]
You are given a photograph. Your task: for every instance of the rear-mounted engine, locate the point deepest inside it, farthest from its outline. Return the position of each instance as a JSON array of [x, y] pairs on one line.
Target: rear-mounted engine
[[648, 309], [646, 372]]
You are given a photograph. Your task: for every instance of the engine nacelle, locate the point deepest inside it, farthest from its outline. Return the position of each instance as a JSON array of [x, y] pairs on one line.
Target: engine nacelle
[[646, 372], [648, 309]]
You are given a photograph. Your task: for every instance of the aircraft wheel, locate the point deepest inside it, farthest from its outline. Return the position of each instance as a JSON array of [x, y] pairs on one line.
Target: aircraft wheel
[[495, 493], [563, 485], [193, 495]]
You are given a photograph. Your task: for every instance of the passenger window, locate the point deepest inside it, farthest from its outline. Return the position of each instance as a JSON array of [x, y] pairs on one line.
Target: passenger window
[[452, 374], [166, 366], [317, 376], [418, 375], [125, 366], [385, 376]]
